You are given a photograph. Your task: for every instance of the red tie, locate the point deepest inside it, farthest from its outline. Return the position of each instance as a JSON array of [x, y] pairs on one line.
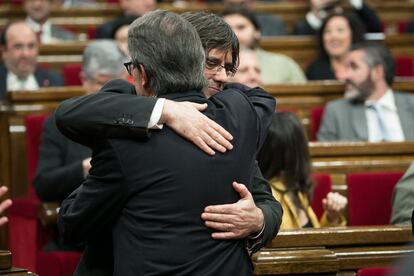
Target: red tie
[[39, 34]]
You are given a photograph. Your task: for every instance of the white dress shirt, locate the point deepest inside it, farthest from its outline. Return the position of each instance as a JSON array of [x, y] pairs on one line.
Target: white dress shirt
[[391, 119], [46, 28], [14, 83]]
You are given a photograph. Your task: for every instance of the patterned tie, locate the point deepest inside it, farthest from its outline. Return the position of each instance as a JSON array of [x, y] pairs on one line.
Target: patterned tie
[[381, 122]]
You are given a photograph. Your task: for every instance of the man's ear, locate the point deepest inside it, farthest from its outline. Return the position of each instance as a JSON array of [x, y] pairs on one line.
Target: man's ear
[[377, 73], [257, 35], [144, 77]]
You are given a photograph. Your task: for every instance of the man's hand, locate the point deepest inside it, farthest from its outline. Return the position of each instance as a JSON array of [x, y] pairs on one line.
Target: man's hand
[[237, 220], [186, 119], [4, 205], [86, 166]]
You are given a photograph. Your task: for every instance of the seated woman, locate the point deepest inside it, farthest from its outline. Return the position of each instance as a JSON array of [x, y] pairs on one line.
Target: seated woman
[[284, 160], [338, 32]]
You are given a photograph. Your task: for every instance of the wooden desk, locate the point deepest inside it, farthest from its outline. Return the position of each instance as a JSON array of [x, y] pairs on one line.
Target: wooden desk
[[334, 251], [6, 266]]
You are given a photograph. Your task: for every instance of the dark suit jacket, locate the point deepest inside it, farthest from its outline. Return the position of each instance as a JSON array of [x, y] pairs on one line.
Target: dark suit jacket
[[59, 169], [43, 77], [109, 114], [153, 192], [320, 69], [367, 16]]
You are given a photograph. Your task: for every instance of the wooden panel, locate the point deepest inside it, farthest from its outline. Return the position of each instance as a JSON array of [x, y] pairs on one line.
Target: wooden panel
[[333, 251]]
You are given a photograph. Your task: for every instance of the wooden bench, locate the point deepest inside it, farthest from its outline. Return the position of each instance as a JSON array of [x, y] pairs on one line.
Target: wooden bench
[[333, 251], [390, 12]]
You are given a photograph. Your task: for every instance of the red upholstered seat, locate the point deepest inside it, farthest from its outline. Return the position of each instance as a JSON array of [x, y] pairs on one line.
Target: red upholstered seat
[[377, 271], [404, 66], [369, 197], [316, 114], [26, 235], [71, 74], [323, 185]]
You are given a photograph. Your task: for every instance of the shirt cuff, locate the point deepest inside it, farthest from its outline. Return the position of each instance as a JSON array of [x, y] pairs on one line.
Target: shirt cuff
[[357, 4], [156, 115], [253, 243]]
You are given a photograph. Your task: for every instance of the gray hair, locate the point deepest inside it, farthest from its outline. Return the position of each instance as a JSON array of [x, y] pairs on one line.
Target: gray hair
[[377, 54], [170, 51], [102, 57]]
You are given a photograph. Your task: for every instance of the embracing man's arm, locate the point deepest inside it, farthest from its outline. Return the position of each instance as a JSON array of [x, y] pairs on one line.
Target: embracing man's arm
[[116, 111]]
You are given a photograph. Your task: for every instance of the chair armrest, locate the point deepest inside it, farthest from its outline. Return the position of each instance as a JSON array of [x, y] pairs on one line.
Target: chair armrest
[[47, 213]]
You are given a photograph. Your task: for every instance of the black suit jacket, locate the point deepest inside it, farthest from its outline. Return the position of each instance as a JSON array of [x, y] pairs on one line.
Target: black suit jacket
[[59, 169], [153, 192], [43, 77], [116, 112]]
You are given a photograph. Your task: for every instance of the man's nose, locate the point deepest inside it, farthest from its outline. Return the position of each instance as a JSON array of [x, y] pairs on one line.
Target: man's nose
[[221, 76]]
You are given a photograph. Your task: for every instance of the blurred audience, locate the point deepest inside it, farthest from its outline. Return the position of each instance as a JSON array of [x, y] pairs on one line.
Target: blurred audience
[[249, 70], [4, 204], [276, 68], [320, 9], [19, 71], [284, 160], [371, 110], [269, 24], [410, 27], [62, 163], [133, 8], [335, 38], [120, 34], [38, 12], [403, 199]]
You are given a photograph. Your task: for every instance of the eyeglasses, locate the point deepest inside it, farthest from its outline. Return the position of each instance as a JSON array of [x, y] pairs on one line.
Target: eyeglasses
[[129, 66], [217, 67]]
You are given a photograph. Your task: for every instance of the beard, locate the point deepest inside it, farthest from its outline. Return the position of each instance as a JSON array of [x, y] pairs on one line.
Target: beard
[[359, 92]]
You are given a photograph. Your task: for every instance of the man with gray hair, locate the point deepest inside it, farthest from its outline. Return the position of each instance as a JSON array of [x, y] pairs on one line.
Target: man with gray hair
[[149, 194], [371, 111]]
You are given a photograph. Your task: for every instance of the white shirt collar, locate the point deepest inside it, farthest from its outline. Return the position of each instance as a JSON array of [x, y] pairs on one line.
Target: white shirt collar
[[46, 29], [14, 83], [313, 21], [387, 101]]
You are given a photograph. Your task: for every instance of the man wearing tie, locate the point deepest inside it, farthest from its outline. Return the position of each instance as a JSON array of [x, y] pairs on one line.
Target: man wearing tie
[[371, 110], [19, 71]]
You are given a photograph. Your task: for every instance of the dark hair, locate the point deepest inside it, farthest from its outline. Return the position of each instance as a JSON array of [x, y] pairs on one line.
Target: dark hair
[[242, 10], [285, 154], [3, 37], [169, 49], [377, 54], [358, 31], [120, 22], [214, 33]]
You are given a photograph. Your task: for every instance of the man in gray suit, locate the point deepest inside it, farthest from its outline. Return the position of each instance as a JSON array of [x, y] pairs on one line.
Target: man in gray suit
[[371, 110], [403, 199]]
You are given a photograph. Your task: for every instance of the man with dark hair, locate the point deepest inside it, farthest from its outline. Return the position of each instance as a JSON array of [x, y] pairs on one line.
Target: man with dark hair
[[371, 111], [19, 71], [275, 68], [320, 9], [150, 194], [88, 118]]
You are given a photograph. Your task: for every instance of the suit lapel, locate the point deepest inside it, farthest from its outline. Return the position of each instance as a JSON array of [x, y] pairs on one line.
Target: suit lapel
[[406, 115], [3, 80], [359, 122]]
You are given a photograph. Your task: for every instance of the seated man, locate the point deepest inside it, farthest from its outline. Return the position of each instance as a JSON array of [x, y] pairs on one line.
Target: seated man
[[320, 9], [63, 164], [149, 203], [38, 12], [276, 68], [371, 111], [403, 199], [19, 71], [249, 71]]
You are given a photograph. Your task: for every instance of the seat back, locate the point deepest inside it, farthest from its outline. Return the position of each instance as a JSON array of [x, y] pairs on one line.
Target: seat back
[[71, 74], [377, 271], [34, 130], [323, 185], [316, 114], [369, 197], [404, 66]]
